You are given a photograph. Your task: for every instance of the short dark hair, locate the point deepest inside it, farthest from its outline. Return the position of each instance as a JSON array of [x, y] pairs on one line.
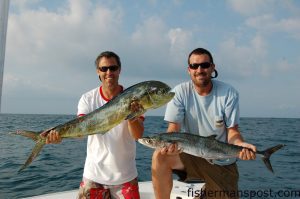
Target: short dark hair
[[200, 51], [108, 54]]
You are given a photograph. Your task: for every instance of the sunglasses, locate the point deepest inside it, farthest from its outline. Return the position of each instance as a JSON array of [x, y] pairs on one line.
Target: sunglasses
[[201, 65], [106, 68]]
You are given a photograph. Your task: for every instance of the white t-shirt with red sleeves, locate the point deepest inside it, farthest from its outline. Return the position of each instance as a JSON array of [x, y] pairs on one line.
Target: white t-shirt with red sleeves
[[110, 158]]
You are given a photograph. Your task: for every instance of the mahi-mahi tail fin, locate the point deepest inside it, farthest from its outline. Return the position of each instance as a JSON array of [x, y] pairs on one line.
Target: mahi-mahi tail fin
[[30, 134], [40, 142], [267, 154]]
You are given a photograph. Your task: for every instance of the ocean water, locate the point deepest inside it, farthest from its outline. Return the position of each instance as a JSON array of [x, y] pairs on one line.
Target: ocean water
[[59, 167]]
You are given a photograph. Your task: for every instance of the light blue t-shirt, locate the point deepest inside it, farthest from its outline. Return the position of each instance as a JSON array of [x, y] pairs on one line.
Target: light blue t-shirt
[[205, 115]]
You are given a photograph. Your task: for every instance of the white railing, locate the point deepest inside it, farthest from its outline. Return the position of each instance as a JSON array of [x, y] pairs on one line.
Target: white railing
[[4, 6]]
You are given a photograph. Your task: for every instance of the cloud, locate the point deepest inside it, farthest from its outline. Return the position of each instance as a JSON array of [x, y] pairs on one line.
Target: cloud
[[180, 41], [23, 4], [243, 60], [267, 16], [265, 27], [51, 47], [248, 8], [284, 66], [159, 48], [51, 53], [150, 33], [67, 37], [253, 59], [268, 24]]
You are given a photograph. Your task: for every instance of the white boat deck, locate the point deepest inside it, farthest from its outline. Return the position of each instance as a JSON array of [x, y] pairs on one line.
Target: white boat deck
[[180, 190]]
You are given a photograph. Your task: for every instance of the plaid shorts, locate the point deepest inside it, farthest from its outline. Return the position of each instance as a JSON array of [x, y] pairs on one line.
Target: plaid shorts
[[92, 190]]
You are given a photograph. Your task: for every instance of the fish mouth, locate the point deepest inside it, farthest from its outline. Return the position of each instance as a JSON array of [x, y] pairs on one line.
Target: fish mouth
[[157, 94], [171, 94], [142, 141], [168, 96], [163, 99], [146, 141]]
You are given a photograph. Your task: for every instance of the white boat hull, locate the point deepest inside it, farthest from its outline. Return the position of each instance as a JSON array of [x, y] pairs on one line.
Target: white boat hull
[[180, 190]]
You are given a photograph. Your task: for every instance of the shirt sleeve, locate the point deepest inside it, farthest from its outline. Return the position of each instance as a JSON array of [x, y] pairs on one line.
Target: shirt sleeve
[[232, 112], [175, 110], [82, 108]]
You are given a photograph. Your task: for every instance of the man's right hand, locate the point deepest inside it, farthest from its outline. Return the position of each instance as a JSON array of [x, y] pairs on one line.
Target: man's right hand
[[52, 137]]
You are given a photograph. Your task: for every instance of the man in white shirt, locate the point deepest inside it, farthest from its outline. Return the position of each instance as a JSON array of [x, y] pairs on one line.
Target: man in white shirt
[[110, 168]]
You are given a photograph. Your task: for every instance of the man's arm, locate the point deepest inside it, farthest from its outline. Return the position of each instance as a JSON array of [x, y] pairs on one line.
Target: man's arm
[[235, 137], [136, 127], [173, 127]]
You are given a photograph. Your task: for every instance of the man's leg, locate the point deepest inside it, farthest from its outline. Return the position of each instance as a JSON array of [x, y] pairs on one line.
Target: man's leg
[[162, 166], [221, 182]]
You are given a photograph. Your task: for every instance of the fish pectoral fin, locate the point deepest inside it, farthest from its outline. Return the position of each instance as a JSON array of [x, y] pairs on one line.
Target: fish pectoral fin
[[136, 109]]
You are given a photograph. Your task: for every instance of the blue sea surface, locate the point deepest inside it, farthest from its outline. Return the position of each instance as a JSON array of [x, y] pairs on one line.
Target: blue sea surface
[[59, 167]]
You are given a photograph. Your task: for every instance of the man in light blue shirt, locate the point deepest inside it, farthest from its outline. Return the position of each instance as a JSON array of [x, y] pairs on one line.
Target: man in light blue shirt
[[204, 107]]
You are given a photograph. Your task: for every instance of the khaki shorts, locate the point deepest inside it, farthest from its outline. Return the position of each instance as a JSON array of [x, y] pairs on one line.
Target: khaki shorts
[[220, 181], [92, 190]]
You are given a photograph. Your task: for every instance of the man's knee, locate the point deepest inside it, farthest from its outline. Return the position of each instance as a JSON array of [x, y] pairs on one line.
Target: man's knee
[[163, 161], [158, 158]]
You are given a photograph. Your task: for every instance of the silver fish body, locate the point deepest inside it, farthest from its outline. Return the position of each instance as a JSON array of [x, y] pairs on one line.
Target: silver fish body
[[149, 94], [206, 147]]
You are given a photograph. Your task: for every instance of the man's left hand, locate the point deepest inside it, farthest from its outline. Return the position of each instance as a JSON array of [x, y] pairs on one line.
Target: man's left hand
[[135, 106]]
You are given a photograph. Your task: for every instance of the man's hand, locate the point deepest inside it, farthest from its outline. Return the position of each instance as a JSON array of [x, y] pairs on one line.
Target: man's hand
[[248, 153], [172, 149], [135, 106], [52, 137]]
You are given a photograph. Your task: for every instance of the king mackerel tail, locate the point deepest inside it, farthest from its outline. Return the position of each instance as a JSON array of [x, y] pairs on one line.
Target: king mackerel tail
[[149, 94]]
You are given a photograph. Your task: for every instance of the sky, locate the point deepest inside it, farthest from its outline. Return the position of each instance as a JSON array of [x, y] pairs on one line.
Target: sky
[[51, 47]]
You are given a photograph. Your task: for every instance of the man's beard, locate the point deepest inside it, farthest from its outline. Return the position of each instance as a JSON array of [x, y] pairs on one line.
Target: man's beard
[[204, 82]]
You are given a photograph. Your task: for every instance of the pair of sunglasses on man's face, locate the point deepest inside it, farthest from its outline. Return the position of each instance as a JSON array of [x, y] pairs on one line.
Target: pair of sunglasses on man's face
[[192, 66], [201, 65], [106, 68]]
